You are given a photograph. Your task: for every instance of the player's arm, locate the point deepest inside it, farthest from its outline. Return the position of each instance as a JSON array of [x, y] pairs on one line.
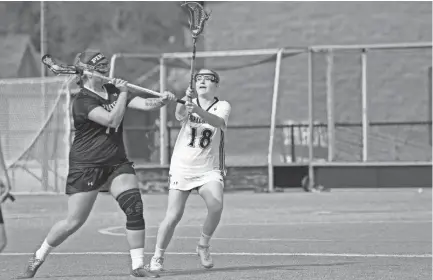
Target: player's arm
[[218, 120], [211, 119], [114, 118], [148, 104]]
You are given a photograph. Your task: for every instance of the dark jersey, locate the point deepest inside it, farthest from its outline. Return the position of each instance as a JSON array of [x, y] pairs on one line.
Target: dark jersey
[[95, 144]]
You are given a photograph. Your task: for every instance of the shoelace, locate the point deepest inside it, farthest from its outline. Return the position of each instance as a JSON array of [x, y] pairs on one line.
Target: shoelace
[[159, 261], [33, 263], [206, 253]]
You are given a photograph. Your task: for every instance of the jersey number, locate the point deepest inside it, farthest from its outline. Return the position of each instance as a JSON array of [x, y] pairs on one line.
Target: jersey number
[[205, 138]]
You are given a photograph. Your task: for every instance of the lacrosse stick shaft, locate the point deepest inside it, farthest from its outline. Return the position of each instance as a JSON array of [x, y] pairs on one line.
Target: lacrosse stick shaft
[[131, 86], [194, 49], [72, 70]]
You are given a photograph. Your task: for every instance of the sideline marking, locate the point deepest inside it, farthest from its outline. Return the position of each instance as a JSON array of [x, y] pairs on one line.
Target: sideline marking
[[108, 230], [350, 255], [227, 238]]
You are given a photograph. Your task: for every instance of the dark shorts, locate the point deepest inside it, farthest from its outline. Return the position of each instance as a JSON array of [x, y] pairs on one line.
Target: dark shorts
[[86, 179], [1, 217]]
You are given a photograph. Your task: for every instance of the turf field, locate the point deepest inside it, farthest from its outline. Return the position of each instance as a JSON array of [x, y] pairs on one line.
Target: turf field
[[357, 234]]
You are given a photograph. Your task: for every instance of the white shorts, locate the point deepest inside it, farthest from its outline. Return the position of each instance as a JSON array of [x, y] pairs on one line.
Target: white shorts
[[184, 182]]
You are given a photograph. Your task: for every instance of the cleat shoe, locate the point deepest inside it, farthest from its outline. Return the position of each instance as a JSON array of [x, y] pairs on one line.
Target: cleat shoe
[[204, 253], [32, 268], [143, 272], [156, 264]]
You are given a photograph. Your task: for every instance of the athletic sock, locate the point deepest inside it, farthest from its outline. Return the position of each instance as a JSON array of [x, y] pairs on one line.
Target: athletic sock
[[159, 253], [204, 239], [43, 251], [137, 257]]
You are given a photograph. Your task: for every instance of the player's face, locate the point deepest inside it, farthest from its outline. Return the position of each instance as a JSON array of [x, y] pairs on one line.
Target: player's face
[[205, 83], [103, 67]]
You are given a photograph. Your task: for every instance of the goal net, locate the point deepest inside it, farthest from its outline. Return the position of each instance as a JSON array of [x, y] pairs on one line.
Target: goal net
[[34, 133]]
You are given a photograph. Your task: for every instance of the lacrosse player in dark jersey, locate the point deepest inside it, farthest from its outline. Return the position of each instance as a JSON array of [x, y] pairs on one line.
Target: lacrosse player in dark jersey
[[98, 157]]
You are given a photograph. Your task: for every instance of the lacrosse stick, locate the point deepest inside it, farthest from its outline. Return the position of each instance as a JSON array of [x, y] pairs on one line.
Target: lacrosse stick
[[60, 69], [197, 18]]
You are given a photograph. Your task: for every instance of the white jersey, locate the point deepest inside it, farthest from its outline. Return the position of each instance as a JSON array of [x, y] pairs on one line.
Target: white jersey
[[199, 146]]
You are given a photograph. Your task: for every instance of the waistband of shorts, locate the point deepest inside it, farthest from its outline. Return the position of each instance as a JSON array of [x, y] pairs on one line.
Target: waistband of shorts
[[97, 165], [193, 174]]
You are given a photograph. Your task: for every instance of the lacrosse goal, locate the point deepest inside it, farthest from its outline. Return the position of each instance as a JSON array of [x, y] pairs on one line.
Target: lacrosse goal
[[35, 130]]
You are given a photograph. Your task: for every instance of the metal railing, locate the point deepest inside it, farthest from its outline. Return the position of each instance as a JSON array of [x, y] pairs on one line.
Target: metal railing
[[344, 146]]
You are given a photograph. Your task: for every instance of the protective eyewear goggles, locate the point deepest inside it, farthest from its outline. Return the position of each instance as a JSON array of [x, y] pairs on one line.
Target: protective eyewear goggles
[[101, 68], [206, 77]]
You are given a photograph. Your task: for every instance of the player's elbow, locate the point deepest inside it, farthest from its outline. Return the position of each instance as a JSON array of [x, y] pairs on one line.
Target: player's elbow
[[179, 116], [220, 123], [180, 113]]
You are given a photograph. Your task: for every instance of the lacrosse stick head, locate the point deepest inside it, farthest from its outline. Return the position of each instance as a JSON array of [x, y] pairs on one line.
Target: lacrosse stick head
[[59, 69], [197, 17]]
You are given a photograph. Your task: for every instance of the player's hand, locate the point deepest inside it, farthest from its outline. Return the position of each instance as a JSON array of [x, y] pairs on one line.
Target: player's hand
[[190, 93], [191, 107], [121, 85], [168, 96]]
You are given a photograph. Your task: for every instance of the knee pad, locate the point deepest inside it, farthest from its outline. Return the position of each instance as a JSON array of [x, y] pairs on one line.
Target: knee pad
[[130, 202]]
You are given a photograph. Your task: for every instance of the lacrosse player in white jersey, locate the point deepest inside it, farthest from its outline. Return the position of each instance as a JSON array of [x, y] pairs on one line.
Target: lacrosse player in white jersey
[[197, 163]]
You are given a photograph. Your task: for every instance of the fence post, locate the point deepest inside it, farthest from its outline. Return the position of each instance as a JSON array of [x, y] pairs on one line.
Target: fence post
[[292, 144], [273, 120], [310, 119], [330, 104], [429, 92], [162, 115], [365, 124]]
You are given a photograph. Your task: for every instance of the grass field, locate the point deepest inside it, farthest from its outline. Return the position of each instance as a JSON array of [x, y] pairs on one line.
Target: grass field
[[356, 234]]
